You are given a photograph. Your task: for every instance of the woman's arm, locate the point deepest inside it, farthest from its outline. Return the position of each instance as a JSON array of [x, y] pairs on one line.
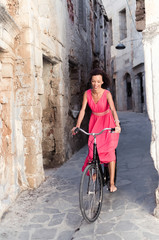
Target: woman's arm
[[112, 107], [82, 112]]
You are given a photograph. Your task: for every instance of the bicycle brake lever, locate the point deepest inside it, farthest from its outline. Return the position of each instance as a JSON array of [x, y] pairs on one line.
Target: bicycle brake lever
[[76, 130]]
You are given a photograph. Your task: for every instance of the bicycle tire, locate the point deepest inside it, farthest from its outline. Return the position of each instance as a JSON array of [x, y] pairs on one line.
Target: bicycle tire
[[91, 193]]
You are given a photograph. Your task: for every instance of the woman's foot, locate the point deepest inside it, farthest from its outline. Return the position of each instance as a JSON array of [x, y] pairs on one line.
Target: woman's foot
[[113, 188]]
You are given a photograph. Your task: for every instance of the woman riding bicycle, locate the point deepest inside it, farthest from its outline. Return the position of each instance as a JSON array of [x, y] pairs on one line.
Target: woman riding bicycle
[[103, 115]]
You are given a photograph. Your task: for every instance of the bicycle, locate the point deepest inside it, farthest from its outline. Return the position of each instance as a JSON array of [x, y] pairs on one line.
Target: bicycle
[[92, 181]]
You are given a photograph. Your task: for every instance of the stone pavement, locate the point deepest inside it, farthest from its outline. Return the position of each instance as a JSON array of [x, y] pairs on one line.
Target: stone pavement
[[52, 210]]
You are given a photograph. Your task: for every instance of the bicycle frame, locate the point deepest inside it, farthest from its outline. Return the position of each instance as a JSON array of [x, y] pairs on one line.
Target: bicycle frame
[[95, 159]]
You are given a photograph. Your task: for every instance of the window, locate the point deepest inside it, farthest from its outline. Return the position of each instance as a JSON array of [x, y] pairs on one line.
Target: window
[[111, 31], [96, 30], [82, 13], [122, 24]]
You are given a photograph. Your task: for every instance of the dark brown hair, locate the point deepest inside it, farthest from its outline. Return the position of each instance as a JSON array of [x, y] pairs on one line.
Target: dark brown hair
[[98, 71]]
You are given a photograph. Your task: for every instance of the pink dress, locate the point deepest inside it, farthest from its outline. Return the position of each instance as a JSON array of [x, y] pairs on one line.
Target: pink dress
[[106, 142]]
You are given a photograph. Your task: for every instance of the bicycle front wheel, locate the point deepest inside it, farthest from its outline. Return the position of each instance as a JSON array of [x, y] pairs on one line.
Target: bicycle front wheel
[[91, 193]]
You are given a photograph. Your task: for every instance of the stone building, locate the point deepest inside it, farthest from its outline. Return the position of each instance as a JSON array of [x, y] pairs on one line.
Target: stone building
[[46, 52], [127, 64], [147, 20]]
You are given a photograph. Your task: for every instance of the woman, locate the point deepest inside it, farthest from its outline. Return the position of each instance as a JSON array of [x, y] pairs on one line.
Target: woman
[[103, 115]]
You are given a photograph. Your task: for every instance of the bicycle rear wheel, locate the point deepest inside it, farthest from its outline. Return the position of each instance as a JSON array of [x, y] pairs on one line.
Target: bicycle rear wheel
[[91, 193]]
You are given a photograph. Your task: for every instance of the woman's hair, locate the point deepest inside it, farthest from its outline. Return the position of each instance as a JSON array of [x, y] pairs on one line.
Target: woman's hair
[[98, 71]]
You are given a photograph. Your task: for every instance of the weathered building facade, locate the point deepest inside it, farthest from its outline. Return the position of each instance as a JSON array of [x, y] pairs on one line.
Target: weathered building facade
[[127, 64], [147, 20], [46, 52]]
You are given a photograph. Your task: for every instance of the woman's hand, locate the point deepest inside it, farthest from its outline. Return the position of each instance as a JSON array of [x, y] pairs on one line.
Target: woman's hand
[[117, 129], [73, 131]]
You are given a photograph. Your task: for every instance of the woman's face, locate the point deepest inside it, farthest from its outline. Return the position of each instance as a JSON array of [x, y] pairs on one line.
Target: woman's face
[[97, 82]]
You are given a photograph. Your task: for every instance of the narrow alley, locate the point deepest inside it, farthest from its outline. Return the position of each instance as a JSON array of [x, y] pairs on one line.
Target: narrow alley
[[52, 210]]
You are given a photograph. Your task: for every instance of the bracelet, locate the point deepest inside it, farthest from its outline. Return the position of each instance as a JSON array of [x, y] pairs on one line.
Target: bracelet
[[117, 121]]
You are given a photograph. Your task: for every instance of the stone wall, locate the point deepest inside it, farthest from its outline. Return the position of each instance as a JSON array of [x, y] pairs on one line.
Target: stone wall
[[85, 45], [21, 153]]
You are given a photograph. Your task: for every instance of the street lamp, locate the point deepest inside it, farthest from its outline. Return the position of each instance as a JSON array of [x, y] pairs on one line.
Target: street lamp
[[120, 46]]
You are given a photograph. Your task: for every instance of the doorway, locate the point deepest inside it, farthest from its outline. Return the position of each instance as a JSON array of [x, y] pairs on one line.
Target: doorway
[[48, 115], [141, 91], [114, 91], [128, 91]]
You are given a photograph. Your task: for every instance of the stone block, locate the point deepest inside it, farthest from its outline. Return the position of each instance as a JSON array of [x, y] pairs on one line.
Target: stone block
[[48, 146], [3, 97], [57, 100], [59, 146], [58, 132], [31, 113], [6, 84], [6, 143], [40, 86], [50, 47], [140, 25], [26, 80], [7, 70], [35, 180], [25, 97], [28, 67], [45, 233], [24, 67], [32, 128], [75, 88], [25, 51], [27, 36], [6, 115], [34, 164], [38, 60], [32, 145]]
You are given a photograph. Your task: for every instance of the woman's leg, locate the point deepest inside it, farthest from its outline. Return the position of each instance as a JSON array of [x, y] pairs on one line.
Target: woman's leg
[[111, 167]]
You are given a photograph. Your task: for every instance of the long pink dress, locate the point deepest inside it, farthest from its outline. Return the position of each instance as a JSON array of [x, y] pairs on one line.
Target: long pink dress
[[106, 142]]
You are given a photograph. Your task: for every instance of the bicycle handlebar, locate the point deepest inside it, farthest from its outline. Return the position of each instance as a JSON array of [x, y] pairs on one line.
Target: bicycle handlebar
[[93, 134]]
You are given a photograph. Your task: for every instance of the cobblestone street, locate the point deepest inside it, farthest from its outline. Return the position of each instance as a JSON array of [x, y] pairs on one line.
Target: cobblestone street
[[52, 210]]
